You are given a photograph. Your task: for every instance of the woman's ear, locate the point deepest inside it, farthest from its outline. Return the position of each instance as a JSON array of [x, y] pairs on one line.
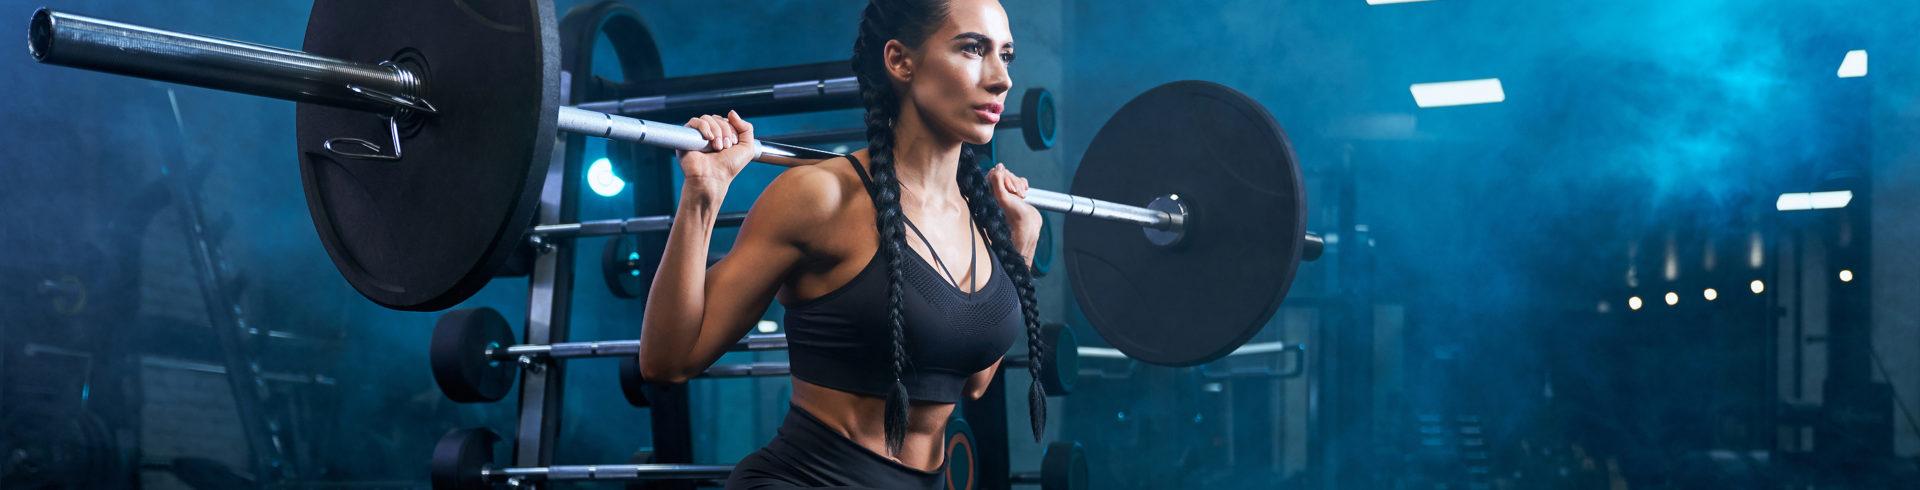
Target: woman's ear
[[899, 59]]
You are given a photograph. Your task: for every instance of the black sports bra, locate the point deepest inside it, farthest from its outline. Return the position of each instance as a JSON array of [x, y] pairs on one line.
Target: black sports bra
[[842, 340]]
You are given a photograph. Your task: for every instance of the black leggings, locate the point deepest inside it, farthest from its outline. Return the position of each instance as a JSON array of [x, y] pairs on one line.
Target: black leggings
[[807, 454]]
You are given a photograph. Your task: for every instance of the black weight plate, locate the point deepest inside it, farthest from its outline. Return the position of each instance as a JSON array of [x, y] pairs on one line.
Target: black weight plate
[[57, 447], [426, 232], [1196, 301], [458, 354], [459, 456], [633, 386], [1043, 251], [1036, 118], [962, 455], [1061, 365], [626, 275], [1063, 467]]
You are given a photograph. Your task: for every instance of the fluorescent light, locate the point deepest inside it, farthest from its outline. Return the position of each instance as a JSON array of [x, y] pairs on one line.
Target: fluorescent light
[[1390, 2], [1711, 294], [1846, 275], [1757, 286], [1853, 66], [1464, 92], [1673, 298], [1633, 303], [1830, 200], [600, 177], [1802, 201]]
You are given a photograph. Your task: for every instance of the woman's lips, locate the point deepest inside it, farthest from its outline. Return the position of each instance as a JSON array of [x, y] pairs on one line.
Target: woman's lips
[[988, 113]]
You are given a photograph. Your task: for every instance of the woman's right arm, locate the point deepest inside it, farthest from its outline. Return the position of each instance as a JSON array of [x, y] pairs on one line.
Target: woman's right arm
[[694, 313]]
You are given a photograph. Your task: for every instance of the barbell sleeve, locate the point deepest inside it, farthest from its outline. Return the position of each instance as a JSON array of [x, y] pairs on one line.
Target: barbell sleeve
[[64, 39], [88, 43]]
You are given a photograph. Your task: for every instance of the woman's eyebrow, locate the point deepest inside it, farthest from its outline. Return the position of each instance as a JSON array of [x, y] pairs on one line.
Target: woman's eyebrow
[[981, 38]]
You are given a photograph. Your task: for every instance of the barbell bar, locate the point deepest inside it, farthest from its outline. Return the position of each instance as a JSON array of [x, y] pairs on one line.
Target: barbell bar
[[766, 99], [463, 459], [474, 358]]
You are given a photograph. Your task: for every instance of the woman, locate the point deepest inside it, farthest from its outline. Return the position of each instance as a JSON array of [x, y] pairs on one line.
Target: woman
[[884, 332]]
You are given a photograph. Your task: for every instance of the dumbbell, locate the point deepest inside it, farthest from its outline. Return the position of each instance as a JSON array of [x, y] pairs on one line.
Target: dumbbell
[[628, 268], [463, 459], [1062, 359], [1062, 467], [475, 360]]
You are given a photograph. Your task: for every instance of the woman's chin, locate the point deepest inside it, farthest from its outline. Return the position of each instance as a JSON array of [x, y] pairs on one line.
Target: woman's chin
[[979, 135]]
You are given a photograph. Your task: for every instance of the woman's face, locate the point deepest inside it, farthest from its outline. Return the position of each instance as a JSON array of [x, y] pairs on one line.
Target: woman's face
[[959, 79]]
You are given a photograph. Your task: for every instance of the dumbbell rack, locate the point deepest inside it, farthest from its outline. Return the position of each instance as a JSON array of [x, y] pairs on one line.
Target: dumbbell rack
[[551, 269]]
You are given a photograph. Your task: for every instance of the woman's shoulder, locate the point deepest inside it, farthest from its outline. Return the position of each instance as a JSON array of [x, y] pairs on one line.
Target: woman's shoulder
[[812, 194]]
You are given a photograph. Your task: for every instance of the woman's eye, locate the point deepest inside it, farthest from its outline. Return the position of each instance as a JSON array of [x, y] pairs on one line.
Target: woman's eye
[[975, 49], [1006, 58]]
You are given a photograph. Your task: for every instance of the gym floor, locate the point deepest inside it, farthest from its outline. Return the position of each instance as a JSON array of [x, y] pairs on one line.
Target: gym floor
[[1621, 244]]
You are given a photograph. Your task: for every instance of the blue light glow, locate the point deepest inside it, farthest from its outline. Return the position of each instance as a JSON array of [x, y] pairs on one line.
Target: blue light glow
[[600, 177]]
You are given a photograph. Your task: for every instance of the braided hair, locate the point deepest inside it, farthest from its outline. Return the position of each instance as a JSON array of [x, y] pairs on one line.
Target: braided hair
[[911, 22]]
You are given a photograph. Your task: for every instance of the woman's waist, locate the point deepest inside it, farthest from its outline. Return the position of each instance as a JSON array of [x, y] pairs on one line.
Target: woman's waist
[[860, 421]]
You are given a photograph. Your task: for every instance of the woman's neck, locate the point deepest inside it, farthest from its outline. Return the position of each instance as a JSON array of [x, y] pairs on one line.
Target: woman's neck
[[925, 164]]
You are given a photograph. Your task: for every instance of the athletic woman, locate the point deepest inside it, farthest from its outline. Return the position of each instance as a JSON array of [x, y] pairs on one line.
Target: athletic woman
[[903, 269]]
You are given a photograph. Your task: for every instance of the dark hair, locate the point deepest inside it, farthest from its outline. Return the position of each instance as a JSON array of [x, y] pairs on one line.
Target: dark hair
[[910, 22]]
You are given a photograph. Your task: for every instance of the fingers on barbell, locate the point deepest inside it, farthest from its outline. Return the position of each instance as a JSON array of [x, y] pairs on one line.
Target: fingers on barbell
[[740, 125], [720, 139], [699, 123], [727, 128]]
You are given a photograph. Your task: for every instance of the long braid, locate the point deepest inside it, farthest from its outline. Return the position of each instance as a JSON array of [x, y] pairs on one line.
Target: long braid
[[882, 111], [973, 183]]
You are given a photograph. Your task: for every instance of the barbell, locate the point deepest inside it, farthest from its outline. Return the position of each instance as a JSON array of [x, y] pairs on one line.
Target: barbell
[[475, 359], [425, 130], [463, 459]]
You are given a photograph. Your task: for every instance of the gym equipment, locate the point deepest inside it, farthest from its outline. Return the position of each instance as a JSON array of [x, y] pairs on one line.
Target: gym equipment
[[1062, 467], [812, 87], [472, 90], [1062, 362], [475, 360], [57, 447], [463, 459], [1062, 365], [1190, 294], [640, 393], [963, 455], [628, 269], [1037, 129], [625, 226]]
